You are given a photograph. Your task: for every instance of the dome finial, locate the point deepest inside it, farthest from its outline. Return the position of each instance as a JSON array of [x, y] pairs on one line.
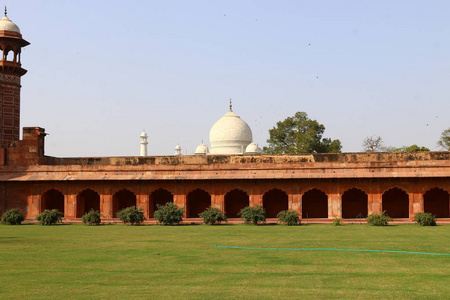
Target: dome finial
[[231, 105], [6, 12]]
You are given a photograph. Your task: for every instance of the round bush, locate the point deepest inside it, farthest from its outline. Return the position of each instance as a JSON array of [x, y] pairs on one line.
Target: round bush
[[380, 219], [168, 214], [132, 215], [253, 214], [50, 217], [212, 216], [425, 219], [12, 217], [92, 217], [288, 217]]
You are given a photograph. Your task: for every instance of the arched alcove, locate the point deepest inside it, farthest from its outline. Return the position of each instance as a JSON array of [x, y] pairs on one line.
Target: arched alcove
[[52, 199], [396, 203], [314, 204], [436, 202], [275, 201], [123, 199], [235, 200], [159, 197], [197, 202], [87, 200], [354, 204]]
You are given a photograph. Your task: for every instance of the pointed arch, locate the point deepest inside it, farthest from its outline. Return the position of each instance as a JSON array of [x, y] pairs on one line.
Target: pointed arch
[[436, 202], [197, 201], [274, 201], [159, 197], [86, 200], [396, 203], [235, 200], [314, 204], [354, 204], [123, 199], [52, 199]]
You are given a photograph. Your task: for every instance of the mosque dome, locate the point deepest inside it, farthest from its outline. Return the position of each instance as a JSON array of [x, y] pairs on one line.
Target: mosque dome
[[7, 25], [252, 148], [201, 149], [229, 135]]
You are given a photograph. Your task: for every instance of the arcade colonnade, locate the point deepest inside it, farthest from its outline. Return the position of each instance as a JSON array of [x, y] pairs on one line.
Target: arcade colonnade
[[312, 199]]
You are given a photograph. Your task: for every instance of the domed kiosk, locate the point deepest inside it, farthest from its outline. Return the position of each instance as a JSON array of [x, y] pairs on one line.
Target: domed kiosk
[[229, 135]]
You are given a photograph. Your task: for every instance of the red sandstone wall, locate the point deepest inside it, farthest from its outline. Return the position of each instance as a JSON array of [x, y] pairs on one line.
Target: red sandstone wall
[[27, 195]]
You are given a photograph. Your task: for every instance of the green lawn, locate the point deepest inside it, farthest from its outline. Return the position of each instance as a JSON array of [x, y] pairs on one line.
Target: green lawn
[[181, 262]]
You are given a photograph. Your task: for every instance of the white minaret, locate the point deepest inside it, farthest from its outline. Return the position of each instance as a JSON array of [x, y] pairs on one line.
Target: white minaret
[[143, 143], [177, 150]]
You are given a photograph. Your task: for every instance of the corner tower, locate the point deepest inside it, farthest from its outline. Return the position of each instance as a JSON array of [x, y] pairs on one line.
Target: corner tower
[[11, 43]]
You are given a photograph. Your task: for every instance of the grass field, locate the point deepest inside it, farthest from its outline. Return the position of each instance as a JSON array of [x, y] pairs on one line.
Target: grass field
[[181, 262]]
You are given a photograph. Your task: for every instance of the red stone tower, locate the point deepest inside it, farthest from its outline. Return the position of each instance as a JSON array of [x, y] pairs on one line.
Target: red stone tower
[[11, 43]]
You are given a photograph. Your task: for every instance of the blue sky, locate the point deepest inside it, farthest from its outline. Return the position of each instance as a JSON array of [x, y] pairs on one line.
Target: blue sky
[[101, 71]]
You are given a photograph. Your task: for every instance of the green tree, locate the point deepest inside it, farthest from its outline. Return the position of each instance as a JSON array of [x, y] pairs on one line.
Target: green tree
[[444, 141], [299, 134], [412, 148]]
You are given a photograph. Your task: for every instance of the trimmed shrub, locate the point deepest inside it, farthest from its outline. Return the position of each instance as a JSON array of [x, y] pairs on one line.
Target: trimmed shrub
[[50, 217], [337, 221], [288, 217], [380, 219], [425, 219], [132, 215], [212, 216], [92, 217], [12, 216], [253, 214], [168, 214]]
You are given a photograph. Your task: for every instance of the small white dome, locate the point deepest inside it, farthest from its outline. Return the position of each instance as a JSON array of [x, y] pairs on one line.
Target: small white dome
[[143, 134], [230, 135], [201, 149], [7, 25], [252, 148], [177, 147]]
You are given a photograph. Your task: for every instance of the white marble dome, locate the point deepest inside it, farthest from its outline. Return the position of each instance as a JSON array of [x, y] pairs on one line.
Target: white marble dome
[[230, 135], [7, 25], [253, 148], [201, 149]]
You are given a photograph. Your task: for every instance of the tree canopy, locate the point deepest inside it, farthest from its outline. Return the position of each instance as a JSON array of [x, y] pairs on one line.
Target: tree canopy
[[412, 148], [444, 141], [299, 134], [373, 144]]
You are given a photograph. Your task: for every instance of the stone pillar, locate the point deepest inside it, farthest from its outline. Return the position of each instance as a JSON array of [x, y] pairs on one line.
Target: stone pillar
[[416, 204], [334, 204], [34, 203], [179, 199], [106, 206], [375, 201], [255, 198], [70, 205]]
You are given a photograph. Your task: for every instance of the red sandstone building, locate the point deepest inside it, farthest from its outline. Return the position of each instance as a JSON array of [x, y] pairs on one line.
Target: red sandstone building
[[318, 186]]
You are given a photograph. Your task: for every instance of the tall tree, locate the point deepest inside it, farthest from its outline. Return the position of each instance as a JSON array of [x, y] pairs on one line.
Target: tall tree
[[373, 144], [444, 141], [299, 134]]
